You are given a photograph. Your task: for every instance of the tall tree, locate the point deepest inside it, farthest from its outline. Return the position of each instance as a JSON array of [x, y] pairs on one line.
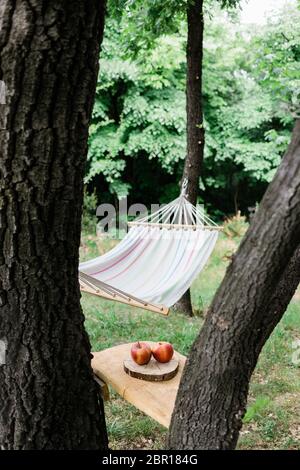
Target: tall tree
[[194, 112], [194, 115], [194, 109], [249, 303], [49, 63]]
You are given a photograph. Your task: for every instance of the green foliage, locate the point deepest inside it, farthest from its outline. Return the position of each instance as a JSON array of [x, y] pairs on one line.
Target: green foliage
[[89, 219], [139, 111], [235, 227], [246, 135], [277, 61], [254, 410], [143, 21], [250, 87]]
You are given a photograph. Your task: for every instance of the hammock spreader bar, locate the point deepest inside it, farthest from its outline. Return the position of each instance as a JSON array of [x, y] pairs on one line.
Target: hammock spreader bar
[[94, 286]]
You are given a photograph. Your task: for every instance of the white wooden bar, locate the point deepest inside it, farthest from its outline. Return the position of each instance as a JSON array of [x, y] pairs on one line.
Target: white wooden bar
[[161, 309], [176, 226]]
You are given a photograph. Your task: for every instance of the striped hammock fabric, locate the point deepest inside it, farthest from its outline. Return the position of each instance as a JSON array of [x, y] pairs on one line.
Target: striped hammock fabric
[[160, 256]]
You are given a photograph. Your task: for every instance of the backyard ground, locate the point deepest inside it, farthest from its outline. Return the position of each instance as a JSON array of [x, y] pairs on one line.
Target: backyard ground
[[273, 416]]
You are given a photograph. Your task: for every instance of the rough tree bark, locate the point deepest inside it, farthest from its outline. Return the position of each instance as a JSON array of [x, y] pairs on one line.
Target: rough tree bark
[[251, 300], [194, 114], [49, 61]]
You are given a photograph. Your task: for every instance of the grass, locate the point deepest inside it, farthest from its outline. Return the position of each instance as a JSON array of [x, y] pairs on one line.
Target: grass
[[272, 420]]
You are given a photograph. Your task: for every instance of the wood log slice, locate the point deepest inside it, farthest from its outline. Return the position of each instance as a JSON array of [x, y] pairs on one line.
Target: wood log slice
[[153, 371]]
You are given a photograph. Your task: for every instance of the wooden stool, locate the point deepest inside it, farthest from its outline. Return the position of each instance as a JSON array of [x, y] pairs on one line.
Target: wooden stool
[[156, 399]]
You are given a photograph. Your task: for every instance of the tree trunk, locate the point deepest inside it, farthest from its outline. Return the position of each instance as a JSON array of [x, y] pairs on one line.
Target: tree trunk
[[184, 304], [251, 300], [49, 62], [194, 113]]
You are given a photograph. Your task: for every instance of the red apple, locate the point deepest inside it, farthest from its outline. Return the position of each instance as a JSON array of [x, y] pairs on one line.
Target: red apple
[[163, 352], [141, 353]]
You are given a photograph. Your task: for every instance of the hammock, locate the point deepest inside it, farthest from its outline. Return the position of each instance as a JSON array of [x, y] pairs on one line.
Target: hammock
[[158, 259]]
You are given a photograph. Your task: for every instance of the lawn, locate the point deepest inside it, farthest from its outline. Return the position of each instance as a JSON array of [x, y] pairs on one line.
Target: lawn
[[273, 415]]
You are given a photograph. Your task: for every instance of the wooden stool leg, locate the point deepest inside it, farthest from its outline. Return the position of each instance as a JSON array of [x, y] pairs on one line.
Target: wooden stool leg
[[103, 388]]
